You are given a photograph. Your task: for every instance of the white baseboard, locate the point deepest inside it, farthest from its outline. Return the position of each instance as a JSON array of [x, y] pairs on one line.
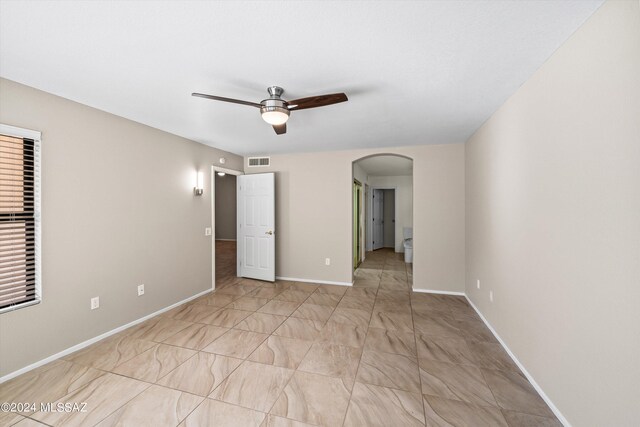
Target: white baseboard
[[432, 291], [533, 382], [95, 339], [323, 282]]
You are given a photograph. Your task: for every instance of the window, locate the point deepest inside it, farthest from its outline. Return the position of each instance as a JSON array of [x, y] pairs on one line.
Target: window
[[19, 218]]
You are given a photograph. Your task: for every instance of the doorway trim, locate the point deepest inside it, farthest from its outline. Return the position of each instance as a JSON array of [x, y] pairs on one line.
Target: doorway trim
[[212, 185], [359, 223], [369, 222]]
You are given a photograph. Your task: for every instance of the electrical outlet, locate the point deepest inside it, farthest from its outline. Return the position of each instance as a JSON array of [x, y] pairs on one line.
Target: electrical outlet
[[491, 296], [207, 231], [141, 290], [327, 261], [478, 284], [95, 303]]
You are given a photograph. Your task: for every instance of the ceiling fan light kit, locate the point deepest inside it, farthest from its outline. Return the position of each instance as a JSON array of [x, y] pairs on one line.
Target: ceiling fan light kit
[[276, 111], [274, 115]]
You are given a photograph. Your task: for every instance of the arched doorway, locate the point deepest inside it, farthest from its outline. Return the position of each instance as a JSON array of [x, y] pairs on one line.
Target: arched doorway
[[382, 221]]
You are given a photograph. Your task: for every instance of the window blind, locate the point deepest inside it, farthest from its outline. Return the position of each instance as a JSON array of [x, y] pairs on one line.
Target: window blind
[[19, 215]]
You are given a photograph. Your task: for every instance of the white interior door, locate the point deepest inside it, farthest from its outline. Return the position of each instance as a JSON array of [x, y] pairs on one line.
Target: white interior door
[[256, 231], [378, 219]]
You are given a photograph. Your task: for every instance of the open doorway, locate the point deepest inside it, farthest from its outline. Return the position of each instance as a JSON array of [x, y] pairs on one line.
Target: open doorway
[[383, 222], [224, 220], [225, 226], [383, 218], [243, 218]]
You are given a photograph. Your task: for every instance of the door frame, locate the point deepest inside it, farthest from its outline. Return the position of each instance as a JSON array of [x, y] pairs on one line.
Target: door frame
[[393, 222], [212, 185], [368, 240], [354, 160], [358, 237], [395, 210], [373, 214]]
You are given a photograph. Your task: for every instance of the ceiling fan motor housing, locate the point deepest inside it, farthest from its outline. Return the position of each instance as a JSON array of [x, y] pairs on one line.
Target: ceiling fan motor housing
[[275, 91]]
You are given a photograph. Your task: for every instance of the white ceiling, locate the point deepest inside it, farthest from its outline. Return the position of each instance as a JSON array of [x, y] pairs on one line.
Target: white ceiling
[[415, 72], [386, 165]]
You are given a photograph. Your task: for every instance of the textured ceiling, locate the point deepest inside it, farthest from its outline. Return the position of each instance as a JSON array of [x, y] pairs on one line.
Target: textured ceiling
[[415, 72]]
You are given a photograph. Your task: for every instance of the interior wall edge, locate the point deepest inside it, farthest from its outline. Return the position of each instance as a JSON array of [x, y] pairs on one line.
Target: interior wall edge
[[95, 339], [526, 373]]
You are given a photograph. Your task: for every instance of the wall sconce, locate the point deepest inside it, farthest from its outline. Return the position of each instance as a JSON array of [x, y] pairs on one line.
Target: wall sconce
[[221, 174], [198, 189]]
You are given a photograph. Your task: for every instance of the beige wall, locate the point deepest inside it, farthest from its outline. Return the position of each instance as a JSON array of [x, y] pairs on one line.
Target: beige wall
[[313, 214], [117, 210], [225, 207], [553, 221]]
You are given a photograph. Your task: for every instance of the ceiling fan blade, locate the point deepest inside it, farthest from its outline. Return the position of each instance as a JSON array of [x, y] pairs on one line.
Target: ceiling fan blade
[[220, 98], [316, 101], [280, 129]]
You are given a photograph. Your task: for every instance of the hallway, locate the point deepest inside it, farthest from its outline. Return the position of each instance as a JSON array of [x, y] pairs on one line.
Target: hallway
[[225, 262], [384, 268]]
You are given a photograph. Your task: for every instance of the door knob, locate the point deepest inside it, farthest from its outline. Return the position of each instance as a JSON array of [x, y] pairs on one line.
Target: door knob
[[269, 232]]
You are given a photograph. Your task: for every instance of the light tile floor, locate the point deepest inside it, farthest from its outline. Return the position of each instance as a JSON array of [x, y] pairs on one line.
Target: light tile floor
[[293, 354]]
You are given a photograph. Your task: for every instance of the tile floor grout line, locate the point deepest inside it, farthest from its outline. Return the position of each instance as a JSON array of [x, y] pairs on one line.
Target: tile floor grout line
[[252, 352], [191, 412], [190, 392], [116, 349], [29, 418], [119, 407], [125, 404], [460, 364], [355, 379], [310, 347], [296, 369], [234, 404], [415, 340], [179, 365]]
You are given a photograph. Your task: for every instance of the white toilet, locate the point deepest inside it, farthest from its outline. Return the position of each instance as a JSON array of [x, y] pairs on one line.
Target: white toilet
[[407, 234]]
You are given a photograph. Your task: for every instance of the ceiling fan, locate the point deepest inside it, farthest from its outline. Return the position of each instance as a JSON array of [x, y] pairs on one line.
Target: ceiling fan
[[275, 110]]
